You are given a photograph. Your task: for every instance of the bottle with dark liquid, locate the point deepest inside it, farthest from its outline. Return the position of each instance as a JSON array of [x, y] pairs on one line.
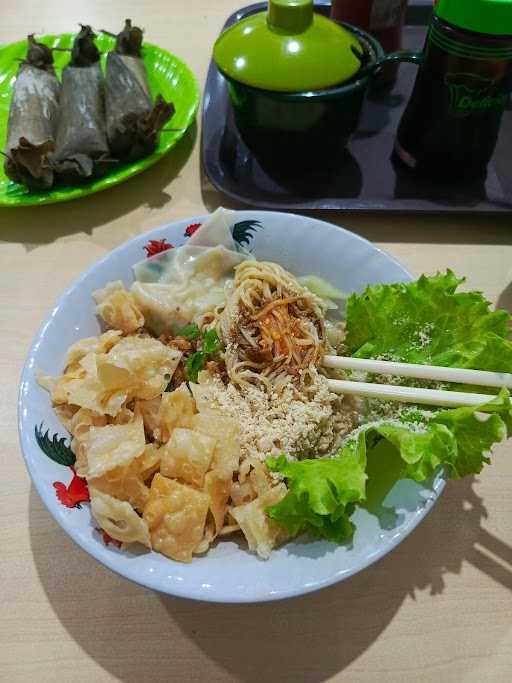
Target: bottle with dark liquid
[[450, 127], [384, 19]]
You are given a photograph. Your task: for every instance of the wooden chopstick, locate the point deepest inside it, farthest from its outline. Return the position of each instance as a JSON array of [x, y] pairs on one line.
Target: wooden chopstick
[[392, 392], [481, 378]]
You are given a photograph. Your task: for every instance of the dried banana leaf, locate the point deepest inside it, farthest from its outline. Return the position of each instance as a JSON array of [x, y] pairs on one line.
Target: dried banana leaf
[[134, 122], [81, 148], [129, 46], [32, 119]]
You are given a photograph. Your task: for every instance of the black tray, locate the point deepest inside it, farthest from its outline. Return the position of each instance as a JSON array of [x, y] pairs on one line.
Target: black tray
[[365, 178]]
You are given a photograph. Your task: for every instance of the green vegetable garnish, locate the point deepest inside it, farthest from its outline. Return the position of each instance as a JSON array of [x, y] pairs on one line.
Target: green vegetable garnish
[[196, 362], [190, 332], [429, 322], [211, 342]]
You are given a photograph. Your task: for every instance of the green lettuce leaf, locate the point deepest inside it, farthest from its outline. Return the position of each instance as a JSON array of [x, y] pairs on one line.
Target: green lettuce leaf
[[457, 440], [321, 494], [426, 322]]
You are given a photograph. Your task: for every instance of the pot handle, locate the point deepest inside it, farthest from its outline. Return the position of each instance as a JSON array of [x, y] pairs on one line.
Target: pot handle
[[395, 57]]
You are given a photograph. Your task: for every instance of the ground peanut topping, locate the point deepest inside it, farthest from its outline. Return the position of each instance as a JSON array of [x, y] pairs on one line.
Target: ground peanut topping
[[299, 421]]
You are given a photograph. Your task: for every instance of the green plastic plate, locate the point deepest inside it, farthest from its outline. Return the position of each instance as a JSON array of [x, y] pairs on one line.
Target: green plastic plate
[[167, 75]]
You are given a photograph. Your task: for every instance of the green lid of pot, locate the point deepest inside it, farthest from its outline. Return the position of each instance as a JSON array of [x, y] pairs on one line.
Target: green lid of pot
[[482, 16], [290, 48]]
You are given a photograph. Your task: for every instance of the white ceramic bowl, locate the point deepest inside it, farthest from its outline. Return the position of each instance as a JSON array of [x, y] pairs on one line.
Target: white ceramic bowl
[[228, 573]]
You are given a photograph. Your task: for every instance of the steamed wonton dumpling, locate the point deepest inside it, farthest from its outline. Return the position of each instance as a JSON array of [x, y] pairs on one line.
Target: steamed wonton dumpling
[[182, 285], [216, 231], [166, 266]]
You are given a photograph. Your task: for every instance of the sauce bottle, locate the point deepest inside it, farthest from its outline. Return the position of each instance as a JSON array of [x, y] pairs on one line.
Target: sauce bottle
[[450, 126], [384, 19]]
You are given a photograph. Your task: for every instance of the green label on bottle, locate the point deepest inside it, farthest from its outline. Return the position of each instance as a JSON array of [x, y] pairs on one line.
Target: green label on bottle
[[470, 93]]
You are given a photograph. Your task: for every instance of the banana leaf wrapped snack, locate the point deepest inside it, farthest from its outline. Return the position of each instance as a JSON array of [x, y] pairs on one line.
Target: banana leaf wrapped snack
[[134, 122], [81, 148], [33, 116]]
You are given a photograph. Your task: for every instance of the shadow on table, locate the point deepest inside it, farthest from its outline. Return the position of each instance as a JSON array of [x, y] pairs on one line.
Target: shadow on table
[[398, 227], [308, 638], [43, 224]]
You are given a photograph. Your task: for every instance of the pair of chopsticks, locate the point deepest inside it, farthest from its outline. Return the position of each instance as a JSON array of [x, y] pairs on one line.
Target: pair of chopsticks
[[433, 397]]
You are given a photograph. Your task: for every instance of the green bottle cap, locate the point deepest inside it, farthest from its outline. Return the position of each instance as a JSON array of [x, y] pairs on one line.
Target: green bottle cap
[[493, 17], [290, 48]]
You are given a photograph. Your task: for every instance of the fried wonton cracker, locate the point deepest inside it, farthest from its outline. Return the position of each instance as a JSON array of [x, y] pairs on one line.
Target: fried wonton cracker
[[261, 532], [101, 344], [218, 488], [139, 367], [149, 411], [242, 493], [150, 461], [123, 417], [126, 483], [117, 307], [84, 419], [176, 516], [187, 456], [226, 432], [81, 422], [66, 413], [208, 537], [118, 518], [201, 391], [176, 410], [80, 386], [112, 446], [260, 477]]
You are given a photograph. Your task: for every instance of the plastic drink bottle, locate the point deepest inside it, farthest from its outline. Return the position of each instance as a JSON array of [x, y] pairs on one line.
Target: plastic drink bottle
[[450, 126]]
